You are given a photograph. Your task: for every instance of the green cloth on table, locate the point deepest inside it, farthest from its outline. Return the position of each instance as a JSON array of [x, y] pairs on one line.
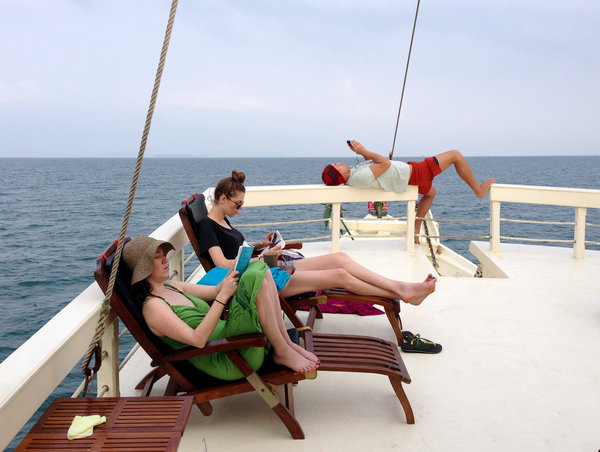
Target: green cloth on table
[[83, 426]]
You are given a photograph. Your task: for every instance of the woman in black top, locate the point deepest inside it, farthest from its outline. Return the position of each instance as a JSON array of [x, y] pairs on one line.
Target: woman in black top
[[219, 243]]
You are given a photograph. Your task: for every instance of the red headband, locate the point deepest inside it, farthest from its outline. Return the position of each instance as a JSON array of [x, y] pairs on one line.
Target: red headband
[[331, 176]]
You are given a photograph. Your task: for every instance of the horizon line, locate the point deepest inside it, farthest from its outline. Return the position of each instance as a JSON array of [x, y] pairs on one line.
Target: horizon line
[[276, 157]]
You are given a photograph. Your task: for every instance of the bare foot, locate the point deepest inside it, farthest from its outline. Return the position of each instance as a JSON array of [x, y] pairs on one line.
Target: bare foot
[[484, 187], [307, 354], [415, 293], [294, 360]]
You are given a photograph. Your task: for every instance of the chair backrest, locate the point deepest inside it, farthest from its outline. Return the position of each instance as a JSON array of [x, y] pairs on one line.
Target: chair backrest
[[193, 209], [129, 310]]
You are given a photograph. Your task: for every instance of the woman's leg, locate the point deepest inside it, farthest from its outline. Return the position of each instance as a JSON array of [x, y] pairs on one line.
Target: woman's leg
[[271, 291], [339, 270], [314, 280], [284, 353]]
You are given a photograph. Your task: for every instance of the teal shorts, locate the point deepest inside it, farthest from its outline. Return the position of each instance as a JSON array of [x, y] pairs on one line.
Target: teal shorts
[[281, 277]]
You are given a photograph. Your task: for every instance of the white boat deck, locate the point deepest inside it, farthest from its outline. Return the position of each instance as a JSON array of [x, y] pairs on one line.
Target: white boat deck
[[520, 368]]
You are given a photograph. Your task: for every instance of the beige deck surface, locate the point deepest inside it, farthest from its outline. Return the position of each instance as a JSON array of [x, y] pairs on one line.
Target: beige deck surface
[[520, 369]]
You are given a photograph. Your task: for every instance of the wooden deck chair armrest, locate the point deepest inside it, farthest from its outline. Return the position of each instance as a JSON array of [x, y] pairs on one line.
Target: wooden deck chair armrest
[[219, 345], [288, 246], [241, 341], [257, 251], [307, 301], [341, 294]]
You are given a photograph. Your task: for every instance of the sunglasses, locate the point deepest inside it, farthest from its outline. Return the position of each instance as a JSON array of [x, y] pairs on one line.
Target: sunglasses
[[238, 204]]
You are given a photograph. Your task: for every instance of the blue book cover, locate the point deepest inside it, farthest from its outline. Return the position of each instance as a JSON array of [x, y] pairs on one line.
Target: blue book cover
[[243, 258], [214, 276]]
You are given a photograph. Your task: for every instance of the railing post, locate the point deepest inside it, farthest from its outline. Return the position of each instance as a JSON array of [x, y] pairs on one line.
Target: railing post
[[579, 246], [176, 266], [495, 227], [410, 226], [336, 224], [108, 374]]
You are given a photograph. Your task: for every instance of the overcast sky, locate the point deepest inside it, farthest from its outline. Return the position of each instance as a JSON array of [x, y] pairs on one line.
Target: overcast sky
[[298, 78]]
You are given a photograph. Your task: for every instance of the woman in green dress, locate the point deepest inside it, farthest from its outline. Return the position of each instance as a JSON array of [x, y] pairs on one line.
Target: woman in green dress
[[179, 314]]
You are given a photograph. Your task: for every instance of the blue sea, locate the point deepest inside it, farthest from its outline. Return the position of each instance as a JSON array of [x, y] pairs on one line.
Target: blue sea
[[57, 215]]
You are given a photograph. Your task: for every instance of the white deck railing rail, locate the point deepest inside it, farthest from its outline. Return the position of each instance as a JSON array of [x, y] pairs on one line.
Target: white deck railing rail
[[579, 199]]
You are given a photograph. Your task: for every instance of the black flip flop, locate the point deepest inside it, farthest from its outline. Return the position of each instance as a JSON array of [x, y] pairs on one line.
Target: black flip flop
[[414, 343]]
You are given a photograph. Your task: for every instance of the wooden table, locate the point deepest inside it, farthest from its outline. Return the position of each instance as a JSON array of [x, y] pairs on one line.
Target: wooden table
[[132, 423]]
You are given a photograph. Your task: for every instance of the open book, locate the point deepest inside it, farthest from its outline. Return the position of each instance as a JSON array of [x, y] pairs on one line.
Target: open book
[[243, 258], [277, 239]]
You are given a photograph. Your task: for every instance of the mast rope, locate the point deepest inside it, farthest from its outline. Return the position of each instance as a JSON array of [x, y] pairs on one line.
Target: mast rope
[[412, 37], [95, 347], [404, 82]]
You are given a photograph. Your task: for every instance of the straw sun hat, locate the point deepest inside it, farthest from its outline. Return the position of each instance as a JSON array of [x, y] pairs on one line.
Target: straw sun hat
[[138, 254]]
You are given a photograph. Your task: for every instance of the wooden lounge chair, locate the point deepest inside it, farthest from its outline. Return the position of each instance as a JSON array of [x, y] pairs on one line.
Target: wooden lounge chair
[[186, 378], [336, 353], [193, 209]]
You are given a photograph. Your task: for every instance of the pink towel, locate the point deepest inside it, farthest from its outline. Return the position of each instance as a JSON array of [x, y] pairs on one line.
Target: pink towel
[[347, 307]]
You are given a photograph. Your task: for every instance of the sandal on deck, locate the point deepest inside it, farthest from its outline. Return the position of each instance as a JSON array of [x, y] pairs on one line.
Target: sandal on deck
[[414, 343]]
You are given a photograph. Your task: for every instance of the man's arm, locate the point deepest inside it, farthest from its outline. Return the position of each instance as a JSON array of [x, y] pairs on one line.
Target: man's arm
[[380, 163]]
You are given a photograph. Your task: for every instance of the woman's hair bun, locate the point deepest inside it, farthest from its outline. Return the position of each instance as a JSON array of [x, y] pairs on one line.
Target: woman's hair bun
[[238, 176]]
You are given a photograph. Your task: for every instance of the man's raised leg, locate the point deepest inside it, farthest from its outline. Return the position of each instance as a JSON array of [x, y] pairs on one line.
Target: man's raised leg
[[463, 169]]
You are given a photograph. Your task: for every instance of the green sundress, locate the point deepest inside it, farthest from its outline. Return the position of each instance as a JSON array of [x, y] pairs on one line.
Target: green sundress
[[242, 319]]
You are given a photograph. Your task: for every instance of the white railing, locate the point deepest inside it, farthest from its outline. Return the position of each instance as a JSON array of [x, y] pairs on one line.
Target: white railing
[[579, 199]]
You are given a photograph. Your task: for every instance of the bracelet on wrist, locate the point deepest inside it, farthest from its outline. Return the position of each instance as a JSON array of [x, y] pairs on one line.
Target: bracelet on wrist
[[220, 302]]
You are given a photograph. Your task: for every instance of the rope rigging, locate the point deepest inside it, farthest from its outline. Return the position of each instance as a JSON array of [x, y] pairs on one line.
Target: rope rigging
[[405, 74], [412, 38], [95, 347], [380, 208]]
